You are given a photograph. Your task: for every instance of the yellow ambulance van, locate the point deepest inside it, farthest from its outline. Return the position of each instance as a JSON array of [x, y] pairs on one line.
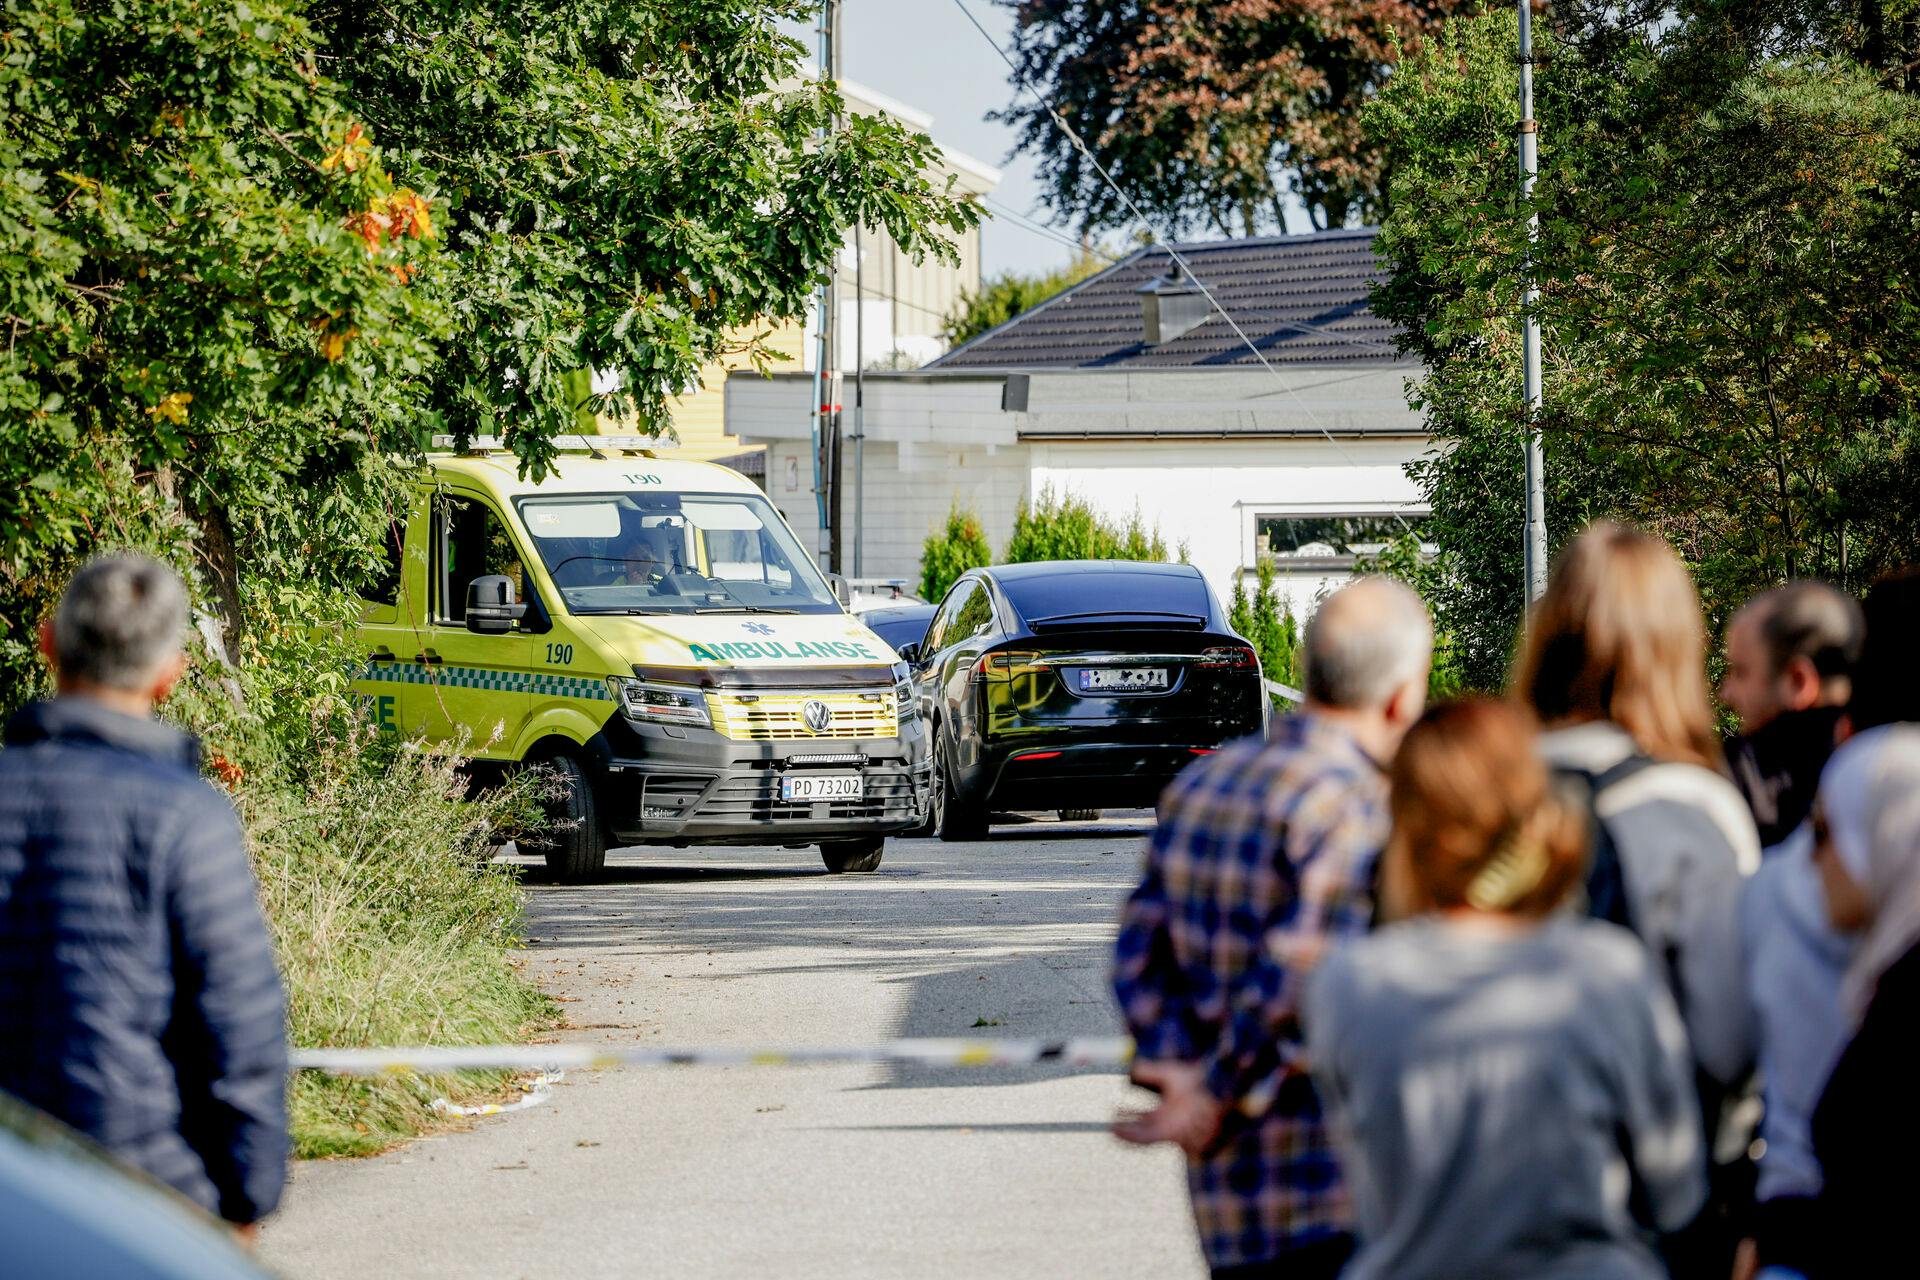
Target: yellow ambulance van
[[652, 632]]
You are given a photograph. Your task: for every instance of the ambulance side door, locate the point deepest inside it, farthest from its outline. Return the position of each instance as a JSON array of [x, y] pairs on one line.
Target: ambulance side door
[[391, 614], [472, 689]]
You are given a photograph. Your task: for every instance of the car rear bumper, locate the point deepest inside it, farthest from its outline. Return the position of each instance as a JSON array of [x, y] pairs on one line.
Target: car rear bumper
[[1085, 775], [696, 787]]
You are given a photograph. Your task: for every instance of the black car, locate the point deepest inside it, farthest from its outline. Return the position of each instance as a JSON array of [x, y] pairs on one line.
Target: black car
[[899, 624], [1076, 685]]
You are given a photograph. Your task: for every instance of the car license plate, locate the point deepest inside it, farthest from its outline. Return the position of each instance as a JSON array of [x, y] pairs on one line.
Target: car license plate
[[1122, 679], [822, 786]]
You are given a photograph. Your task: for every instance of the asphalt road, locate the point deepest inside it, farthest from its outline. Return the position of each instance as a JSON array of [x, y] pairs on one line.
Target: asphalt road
[[793, 1171]]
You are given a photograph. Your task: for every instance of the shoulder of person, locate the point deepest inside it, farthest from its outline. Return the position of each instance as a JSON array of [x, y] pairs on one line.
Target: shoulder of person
[[1607, 957], [1694, 787]]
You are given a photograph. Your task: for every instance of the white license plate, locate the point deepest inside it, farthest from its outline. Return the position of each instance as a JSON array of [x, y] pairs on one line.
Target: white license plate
[[822, 786], [1122, 679]]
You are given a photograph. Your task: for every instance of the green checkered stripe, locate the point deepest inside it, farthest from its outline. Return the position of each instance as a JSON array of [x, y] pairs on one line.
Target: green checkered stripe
[[492, 678]]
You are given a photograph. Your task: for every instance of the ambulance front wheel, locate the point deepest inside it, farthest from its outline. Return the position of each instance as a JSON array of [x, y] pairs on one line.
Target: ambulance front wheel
[[574, 843], [842, 856]]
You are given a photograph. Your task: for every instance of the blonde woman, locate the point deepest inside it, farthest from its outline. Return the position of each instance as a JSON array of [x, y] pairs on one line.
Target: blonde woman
[[1614, 666]]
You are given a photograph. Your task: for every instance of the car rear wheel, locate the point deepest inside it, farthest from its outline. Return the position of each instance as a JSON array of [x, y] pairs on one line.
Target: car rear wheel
[[842, 856], [955, 817], [573, 842]]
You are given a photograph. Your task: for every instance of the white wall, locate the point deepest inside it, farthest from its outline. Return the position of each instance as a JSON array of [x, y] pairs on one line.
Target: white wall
[[1208, 493], [934, 442], [902, 505]]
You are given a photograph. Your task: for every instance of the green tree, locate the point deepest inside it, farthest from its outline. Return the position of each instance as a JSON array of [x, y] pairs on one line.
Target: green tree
[[950, 551], [1732, 330], [1207, 113], [1066, 527], [254, 248], [1011, 293], [210, 287]]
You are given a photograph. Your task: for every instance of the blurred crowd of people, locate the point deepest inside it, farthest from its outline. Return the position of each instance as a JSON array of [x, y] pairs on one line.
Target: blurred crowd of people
[[1557, 985]]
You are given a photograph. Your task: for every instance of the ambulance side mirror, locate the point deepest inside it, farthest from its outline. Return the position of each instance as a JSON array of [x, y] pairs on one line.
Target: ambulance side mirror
[[491, 608], [842, 589]]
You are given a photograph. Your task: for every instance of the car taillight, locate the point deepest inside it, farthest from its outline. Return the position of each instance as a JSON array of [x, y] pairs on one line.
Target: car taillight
[[1229, 657], [1000, 666]]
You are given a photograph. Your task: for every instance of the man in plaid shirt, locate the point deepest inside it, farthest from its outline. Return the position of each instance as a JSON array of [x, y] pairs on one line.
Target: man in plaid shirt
[[1263, 857]]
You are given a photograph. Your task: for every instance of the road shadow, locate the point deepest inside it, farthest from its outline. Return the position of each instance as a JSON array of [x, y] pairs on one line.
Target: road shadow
[[1007, 938]]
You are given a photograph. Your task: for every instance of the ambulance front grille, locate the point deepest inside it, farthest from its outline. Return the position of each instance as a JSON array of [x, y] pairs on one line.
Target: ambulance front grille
[[782, 717]]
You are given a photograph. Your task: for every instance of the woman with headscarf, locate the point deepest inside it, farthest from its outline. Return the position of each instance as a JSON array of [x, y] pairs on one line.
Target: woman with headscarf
[[1866, 1129]]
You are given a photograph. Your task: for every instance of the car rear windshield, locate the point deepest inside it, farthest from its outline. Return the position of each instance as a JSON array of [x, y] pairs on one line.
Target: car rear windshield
[[1087, 597]]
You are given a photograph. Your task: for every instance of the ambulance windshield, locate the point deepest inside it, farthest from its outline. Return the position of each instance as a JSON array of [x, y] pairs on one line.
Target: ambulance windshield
[[673, 553]]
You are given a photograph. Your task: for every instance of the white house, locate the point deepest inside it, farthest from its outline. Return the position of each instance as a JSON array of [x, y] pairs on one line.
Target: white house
[[1134, 391]]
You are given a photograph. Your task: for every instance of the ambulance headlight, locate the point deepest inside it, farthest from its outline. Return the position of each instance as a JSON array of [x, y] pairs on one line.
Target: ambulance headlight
[[904, 703], [660, 703]]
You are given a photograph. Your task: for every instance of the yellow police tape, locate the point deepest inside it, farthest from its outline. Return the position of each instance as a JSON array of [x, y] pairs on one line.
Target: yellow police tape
[[1097, 1051]]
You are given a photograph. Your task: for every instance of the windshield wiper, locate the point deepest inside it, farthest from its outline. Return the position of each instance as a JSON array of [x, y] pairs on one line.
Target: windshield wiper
[[744, 608]]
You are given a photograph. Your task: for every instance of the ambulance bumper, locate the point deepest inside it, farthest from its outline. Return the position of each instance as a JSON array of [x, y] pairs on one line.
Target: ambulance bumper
[[661, 785]]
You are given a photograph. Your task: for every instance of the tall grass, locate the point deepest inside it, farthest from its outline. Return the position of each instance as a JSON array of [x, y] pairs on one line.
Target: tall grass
[[391, 922], [392, 926]]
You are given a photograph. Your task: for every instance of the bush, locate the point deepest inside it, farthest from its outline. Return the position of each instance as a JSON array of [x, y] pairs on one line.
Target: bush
[[951, 551], [1068, 528], [1267, 623]]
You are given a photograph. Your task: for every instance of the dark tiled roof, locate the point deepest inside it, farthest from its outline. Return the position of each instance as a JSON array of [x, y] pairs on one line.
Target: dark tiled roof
[[1301, 299]]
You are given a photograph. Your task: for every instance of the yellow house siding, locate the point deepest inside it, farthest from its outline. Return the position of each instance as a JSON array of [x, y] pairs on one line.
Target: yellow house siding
[[699, 417]]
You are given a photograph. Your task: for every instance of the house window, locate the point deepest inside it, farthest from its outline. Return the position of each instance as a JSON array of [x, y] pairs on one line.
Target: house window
[[1332, 541]]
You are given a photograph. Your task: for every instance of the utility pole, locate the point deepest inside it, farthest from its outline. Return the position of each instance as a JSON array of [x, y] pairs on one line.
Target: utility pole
[[859, 402], [1536, 545], [826, 411]]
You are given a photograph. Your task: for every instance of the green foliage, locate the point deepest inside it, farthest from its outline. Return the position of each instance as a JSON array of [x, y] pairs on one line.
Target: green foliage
[[631, 187], [1276, 633], [253, 248], [1731, 324], [1010, 293], [951, 551], [1207, 113], [391, 924], [253, 253], [1066, 527]]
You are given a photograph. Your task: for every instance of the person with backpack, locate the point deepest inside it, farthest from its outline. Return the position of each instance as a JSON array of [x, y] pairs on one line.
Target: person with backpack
[[1614, 665], [1506, 1080]]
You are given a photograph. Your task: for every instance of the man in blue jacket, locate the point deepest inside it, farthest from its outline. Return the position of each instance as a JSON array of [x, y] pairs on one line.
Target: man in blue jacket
[[138, 997]]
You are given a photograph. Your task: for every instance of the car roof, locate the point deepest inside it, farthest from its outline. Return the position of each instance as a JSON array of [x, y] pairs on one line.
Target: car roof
[[1062, 568], [898, 612], [578, 473]]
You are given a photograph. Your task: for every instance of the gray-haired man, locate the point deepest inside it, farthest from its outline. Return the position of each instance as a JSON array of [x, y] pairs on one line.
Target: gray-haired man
[[138, 997], [1262, 859]]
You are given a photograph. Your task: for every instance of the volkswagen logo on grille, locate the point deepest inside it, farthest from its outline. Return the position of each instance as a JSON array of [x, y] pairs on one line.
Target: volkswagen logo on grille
[[817, 715]]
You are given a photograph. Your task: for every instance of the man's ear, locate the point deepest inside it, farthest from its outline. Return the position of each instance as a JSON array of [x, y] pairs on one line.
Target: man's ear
[[1408, 701], [167, 677], [1800, 684], [47, 648]]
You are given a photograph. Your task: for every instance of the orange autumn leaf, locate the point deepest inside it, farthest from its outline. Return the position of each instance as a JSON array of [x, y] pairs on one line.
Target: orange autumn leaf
[[353, 152]]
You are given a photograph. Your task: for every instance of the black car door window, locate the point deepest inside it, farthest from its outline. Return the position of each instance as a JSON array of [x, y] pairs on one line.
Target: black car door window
[[975, 617], [945, 629]]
